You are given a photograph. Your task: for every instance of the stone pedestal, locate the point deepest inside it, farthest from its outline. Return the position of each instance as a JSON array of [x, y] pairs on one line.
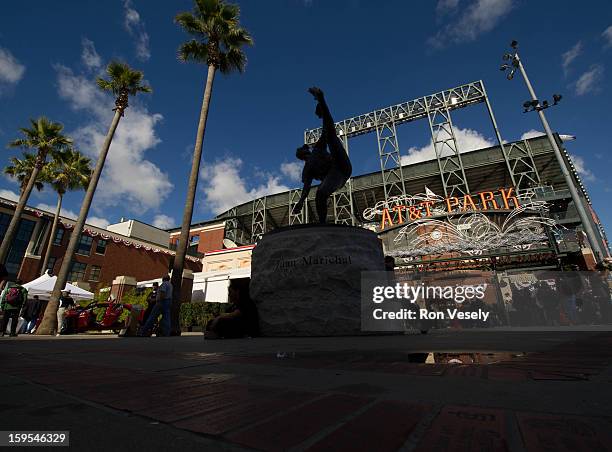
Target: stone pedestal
[[306, 280]]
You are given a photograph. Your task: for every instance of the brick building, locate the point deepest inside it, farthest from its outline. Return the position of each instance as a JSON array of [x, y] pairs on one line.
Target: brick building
[[204, 237], [140, 251]]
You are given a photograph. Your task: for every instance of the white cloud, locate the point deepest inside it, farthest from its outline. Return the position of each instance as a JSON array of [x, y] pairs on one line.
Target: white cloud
[[607, 35], [224, 188], [135, 27], [11, 70], [9, 194], [446, 6], [162, 221], [293, 170], [128, 180], [569, 56], [467, 140], [589, 81], [531, 134], [89, 56], [581, 168], [479, 17], [98, 222]]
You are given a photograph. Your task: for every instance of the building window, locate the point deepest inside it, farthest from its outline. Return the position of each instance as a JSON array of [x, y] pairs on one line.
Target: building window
[[94, 275], [51, 264], [77, 271], [20, 242], [40, 237], [84, 246], [101, 247], [59, 235]]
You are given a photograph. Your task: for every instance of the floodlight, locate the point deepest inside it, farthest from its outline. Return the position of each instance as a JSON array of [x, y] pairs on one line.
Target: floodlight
[[503, 67], [557, 98], [514, 44], [527, 104]]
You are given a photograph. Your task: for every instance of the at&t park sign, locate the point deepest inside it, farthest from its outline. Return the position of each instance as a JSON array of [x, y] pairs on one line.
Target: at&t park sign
[[406, 209]]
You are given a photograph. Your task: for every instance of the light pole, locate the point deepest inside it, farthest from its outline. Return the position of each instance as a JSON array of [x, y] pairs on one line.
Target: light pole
[[535, 105]]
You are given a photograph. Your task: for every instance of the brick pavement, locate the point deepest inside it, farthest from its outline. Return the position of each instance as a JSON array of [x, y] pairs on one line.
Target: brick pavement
[[258, 401]]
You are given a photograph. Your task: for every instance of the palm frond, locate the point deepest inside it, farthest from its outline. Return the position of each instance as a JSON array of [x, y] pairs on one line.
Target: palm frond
[[233, 60], [45, 136], [21, 170], [122, 78], [215, 24], [193, 51], [69, 171]]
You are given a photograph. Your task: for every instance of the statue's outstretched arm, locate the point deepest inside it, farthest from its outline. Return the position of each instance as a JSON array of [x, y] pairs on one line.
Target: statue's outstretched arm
[[329, 128]]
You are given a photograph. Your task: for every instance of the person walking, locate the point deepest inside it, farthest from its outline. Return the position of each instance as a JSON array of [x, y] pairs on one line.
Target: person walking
[[11, 301], [162, 305], [65, 302], [30, 312]]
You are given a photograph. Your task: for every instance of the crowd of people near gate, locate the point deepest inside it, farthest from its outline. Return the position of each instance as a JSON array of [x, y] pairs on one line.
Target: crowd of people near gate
[[563, 301]]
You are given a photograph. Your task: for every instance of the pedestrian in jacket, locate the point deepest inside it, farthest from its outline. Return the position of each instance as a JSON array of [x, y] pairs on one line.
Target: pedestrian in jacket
[[12, 299]]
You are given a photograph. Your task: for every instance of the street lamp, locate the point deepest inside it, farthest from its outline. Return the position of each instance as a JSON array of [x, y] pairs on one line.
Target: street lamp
[[534, 104]]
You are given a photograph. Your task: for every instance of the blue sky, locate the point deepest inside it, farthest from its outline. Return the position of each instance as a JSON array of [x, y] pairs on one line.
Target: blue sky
[[364, 54]]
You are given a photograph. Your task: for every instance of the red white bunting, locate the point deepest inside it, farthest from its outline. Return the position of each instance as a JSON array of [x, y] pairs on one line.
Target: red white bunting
[[93, 233]]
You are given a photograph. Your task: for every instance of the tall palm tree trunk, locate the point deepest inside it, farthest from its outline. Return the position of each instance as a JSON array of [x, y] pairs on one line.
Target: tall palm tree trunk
[[58, 209], [12, 227], [49, 322], [181, 249]]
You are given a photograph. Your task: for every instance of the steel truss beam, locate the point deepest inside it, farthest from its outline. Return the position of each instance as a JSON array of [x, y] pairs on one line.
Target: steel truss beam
[[519, 159], [522, 167], [389, 155], [445, 145], [462, 96], [258, 223], [302, 216], [343, 199], [233, 228]]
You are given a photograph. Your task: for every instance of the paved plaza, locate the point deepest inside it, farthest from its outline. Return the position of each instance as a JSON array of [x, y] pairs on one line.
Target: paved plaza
[[528, 391]]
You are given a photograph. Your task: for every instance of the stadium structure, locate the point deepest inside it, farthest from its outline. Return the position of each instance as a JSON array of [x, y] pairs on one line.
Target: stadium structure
[[504, 205]]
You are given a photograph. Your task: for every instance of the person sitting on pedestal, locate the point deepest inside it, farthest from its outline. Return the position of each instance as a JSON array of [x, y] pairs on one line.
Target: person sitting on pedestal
[[242, 321]]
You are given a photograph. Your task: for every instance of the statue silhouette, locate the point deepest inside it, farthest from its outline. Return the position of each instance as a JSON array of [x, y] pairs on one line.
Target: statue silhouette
[[332, 168]]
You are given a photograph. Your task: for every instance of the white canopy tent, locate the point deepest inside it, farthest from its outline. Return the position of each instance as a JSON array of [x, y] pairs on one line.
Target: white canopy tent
[[43, 286]]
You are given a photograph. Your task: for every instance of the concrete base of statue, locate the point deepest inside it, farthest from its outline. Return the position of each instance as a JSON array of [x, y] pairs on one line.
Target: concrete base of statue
[[306, 279]]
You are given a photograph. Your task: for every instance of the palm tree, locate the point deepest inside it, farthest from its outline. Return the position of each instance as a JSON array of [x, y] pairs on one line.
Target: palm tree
[[21, 170], [218, 42], [46, 137], [69, 171], [123, 82]]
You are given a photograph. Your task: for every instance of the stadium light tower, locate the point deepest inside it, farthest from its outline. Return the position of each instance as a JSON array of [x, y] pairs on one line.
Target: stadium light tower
[[514, 63]]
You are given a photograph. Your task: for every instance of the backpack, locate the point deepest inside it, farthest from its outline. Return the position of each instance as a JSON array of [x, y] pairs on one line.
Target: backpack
[[14, 296]]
